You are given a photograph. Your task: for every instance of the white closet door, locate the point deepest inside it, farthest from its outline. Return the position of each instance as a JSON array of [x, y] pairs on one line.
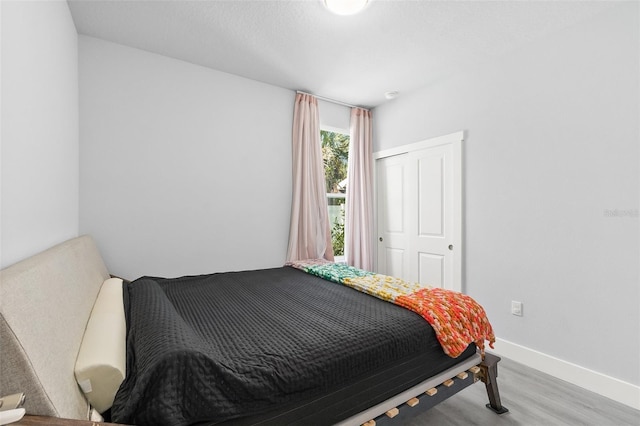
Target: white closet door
[[431, 261], [420, 211], [393, 219]]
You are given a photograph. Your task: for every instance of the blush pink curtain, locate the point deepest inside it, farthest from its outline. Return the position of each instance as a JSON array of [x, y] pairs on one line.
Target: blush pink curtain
[[358, 244], [310, 233]]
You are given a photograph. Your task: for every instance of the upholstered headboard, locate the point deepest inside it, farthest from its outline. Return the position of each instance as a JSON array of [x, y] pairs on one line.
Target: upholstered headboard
[[45, 303]]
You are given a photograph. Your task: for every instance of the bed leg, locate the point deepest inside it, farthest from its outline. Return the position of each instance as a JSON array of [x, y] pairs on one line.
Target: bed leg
[[489, 376]]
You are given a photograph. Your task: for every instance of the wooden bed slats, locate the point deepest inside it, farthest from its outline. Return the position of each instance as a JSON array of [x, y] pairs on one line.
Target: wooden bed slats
[[476, 372], [431, 397], [485, 371], [392, 413], [413, 402]]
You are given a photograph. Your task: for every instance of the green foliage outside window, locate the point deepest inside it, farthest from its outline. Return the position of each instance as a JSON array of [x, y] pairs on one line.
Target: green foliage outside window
[[335, 154], [337, 235]]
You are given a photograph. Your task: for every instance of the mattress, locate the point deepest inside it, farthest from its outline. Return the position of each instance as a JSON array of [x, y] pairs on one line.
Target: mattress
[[276, 346]]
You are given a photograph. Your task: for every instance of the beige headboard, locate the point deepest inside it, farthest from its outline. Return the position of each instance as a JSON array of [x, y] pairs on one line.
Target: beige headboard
[[45, 302]]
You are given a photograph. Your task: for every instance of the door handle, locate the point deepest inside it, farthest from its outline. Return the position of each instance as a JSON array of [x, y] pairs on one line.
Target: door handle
[[450, 246], [380, 239]]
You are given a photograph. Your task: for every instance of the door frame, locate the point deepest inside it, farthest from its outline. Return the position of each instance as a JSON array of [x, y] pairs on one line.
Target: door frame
[[455, 139]]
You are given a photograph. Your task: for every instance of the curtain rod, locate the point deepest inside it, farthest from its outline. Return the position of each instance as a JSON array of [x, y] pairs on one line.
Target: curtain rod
[[332, 100]]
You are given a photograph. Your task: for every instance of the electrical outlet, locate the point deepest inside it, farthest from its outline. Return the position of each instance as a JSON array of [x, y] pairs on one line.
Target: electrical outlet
[[516, 308]]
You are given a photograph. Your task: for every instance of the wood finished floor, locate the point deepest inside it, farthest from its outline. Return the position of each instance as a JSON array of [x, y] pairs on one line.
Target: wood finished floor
[[533, 398]]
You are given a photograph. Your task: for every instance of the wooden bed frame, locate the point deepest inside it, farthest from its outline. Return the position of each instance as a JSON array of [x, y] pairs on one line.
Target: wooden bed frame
[[46, 301], [435, 390]]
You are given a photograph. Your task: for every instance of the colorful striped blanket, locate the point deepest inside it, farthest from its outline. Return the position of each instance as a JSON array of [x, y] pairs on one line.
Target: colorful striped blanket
[[457, 319]]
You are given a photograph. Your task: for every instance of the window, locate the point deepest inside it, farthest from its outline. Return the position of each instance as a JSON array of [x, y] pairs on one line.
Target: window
[[335, 154]]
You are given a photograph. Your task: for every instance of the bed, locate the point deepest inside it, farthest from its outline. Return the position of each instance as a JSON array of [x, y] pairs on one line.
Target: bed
[[271, 347]]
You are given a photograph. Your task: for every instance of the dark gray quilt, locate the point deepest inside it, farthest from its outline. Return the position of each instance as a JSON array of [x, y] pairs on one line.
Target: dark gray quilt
[[217, 347]]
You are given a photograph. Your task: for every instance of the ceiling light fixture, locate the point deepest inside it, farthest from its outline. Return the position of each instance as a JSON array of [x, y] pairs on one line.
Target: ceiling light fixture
[[391, 95], [345, 7]]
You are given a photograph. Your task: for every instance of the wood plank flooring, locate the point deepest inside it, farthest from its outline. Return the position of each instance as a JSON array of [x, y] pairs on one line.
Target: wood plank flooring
[[533, 398]]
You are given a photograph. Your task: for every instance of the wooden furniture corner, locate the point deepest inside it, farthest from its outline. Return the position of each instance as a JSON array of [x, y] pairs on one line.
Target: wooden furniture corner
[[30, 420]]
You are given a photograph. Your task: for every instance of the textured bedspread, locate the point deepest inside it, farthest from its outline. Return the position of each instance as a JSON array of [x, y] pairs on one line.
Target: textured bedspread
[[457, 319], [223, 346]]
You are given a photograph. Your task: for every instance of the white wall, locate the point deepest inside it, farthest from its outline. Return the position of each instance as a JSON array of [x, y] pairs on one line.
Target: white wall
[[184, 170], [334, 117], [552, 145], [39, 165]]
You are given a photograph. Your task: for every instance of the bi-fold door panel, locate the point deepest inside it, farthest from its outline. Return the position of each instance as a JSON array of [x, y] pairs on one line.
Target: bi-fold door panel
[[392, 216], [432, 259], [419, 199]]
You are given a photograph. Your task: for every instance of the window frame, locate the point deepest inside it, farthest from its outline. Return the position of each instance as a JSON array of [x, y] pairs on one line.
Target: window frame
[[346, 132]]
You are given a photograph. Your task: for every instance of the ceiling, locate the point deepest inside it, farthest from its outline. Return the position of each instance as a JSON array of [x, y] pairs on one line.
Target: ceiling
[[393, 45]]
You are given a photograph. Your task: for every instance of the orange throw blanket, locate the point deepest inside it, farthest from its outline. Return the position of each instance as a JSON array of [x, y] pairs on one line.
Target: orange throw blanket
[[457, 319]]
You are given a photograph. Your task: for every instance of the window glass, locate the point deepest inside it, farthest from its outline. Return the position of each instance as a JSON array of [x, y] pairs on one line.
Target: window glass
[[335, 152]]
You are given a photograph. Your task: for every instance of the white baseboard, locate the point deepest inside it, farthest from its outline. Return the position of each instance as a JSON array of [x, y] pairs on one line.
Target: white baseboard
[[610, 387]]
